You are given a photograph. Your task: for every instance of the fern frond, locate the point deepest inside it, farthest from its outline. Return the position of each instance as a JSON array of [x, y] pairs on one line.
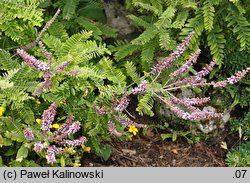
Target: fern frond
[[145, 105], [241, 28], [16, 97], [131, 71], [6, 62], [57, 29], [52, 42], [69, 9], [180, 19], [11, 30], [90, 72], [120, 43], [125, 50], [112, 73], [73, 40], [165, 40], [14, 129], [147, 7], [147, 55], [240, 8], [83, 52], [189, 4], [5, 84], [166, 18], [25, 79], [109, 91], [208, 13], [158, 4], [146, 36], [216, 42], [195, 24], [139, 21], [106, 30], [90, 26], [18, 22], [5, 79], [27, 115], [30, 12]]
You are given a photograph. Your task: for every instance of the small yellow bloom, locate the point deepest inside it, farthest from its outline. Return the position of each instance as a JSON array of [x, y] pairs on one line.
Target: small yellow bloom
[[56, 126], [38, 121], [69, 150], [2, 109], [38, 102], [86, 148], [132, 129]]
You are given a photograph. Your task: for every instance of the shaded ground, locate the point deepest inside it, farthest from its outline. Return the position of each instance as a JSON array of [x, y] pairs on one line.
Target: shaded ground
[[143, 151]]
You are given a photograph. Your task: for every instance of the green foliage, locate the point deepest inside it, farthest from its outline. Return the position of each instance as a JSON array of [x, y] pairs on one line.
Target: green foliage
[[78, 15], [239, 157], [173, 135], [210, 20], [209, 12], [145, 37], [216, 42], [145, 105], [240, 25], [72, 93], [242, 126], [131, 71], [17, 23], [69, 9], [125, 50]]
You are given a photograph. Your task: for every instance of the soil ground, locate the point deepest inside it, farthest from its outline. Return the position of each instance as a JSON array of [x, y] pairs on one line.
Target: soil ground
[[152, 151]]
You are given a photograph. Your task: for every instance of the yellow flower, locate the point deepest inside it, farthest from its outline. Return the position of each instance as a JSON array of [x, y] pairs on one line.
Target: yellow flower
[[2, 109], [86, 148], [69, 150], [56, 126], [38, 102], [132, 129], [38, 121]]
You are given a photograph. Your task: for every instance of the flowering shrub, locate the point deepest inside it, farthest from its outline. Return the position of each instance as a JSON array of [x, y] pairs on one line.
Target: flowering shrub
[[185, 108], [66, 97]]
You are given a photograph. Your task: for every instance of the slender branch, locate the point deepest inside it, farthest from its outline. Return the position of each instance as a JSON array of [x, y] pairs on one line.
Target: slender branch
[[40, 35], [188, 85]]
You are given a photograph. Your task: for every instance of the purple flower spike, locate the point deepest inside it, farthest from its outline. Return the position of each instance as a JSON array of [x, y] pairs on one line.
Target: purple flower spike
[[112, 129], [233, 79], [32, 61], [75, 127], [48, 117], [76, 142], [192, 59], [140, 88], [74, 72], [101, 110], [237, 77], [28, 134], [159, 67], [63, 65], [123, 103], [51, 156], [47, 54], [46, 84], [38, 147], [127, 121]]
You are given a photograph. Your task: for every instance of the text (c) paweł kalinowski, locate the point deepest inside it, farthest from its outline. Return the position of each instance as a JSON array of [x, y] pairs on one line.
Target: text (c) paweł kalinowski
[[61, 174]]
